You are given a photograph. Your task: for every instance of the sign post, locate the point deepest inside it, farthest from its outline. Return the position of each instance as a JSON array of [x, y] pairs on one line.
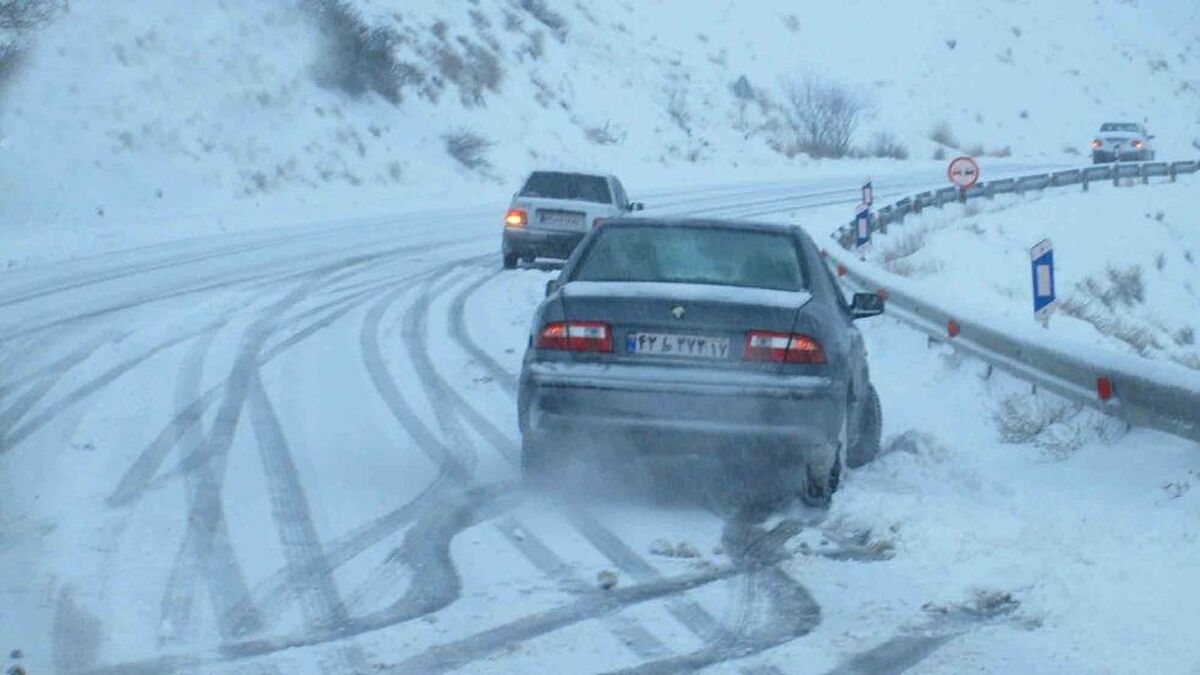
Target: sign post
[[963, 173], [862, 226], [1041, 259], [868, 194]]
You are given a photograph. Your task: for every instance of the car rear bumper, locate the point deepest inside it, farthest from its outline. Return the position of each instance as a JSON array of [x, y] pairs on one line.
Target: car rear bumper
[[533, 243], [673, 410], [1102, 156]]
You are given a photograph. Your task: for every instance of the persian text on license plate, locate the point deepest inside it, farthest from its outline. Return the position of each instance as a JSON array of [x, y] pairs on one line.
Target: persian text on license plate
[[561, 220], [695, 346]]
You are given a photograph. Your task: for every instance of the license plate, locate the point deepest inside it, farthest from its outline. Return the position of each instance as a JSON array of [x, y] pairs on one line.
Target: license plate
[[561, 220], [692, 346]]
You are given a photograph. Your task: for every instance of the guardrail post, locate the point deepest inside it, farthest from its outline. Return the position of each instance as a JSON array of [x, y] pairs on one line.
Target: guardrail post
[[1116, 172], [1084, 180], [1171, 171]]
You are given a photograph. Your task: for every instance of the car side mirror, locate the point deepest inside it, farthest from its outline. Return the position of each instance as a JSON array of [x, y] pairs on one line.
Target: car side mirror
[[636, 206], [551, 286], [866, 305]]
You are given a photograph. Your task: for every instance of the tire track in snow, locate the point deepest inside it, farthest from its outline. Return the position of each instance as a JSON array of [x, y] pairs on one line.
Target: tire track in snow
[[446, 400], [206, 542], [40, 383], [598, 603], [18, 434], [435, 585], [140, 477], [320, 601], [177, 603]]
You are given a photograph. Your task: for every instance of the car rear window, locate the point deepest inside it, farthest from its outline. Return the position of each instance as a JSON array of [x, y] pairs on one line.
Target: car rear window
[[698, 255], [573, 186], [1117, 126]]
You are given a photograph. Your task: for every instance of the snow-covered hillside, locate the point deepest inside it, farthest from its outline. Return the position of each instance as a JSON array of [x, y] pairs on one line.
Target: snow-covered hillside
[[144, 120], [1127, 262]]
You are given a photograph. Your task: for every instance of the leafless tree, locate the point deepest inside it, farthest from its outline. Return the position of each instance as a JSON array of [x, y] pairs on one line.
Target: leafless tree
[[823, 115]]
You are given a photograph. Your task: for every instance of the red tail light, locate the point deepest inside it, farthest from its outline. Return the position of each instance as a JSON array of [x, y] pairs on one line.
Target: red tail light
[[782, 348], [515, 218], [1097, 143], [575, 336], [597, 222], [1137, 145]]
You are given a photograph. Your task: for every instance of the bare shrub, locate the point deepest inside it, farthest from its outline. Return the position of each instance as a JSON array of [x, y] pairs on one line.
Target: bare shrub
[[1185, 337], [545, 16], [1188, 359], [942, 134], [884, 144], [975, 150], [823, 115], [1051, 423], [23, 16], [536, 46], [1070, 150], [1021, 418], [792, 22], [469, 149], [939, 153], [1001, 152], [1142, 339], [605, 135], [357, 58], [677, 109]]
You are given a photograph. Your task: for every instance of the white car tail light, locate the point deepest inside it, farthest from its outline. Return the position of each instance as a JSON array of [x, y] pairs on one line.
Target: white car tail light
[[515, 218], [575, 336], [782, 348]]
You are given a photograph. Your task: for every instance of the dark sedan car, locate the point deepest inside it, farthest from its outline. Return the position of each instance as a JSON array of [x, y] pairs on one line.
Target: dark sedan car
[[703, 340]]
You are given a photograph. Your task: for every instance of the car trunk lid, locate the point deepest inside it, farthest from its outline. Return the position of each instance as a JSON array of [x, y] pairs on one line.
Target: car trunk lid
[[682, 324]]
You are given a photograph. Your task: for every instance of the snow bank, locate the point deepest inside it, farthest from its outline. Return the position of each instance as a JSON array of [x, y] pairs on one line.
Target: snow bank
[[1127, 264]]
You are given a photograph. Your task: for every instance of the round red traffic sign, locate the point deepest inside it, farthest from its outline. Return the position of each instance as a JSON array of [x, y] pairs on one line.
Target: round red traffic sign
[[963, 172]]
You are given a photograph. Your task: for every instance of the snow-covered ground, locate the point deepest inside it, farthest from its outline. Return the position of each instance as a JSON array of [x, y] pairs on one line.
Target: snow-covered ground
[[1127, 262], [258, 359], [298, 454], [145, 121]]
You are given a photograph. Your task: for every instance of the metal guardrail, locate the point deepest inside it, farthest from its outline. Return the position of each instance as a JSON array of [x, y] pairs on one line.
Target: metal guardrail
[[1153, 394], [897, 212]]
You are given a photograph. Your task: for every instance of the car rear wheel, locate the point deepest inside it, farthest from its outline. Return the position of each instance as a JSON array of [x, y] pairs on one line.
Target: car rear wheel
[[870, 432], [818, 490], [510, 260]]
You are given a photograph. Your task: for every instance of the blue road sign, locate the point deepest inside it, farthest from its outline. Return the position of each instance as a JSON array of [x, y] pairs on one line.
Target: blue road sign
[[862, 225], [1041, 259]]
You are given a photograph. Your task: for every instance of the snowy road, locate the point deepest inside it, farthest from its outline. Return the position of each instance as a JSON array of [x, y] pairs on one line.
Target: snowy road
[[296, 452]]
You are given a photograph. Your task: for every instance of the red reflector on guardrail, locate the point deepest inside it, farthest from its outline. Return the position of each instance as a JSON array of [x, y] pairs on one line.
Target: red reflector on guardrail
[[1104, 388], [841, 270], [882, 293], [952, 328]]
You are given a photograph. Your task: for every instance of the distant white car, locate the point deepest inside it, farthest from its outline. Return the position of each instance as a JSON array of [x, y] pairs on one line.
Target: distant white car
[[1124, 141], [553, 210]]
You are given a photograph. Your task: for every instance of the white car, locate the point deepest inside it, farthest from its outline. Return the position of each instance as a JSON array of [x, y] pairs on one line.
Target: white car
[[553, 210], [1122, 141]]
